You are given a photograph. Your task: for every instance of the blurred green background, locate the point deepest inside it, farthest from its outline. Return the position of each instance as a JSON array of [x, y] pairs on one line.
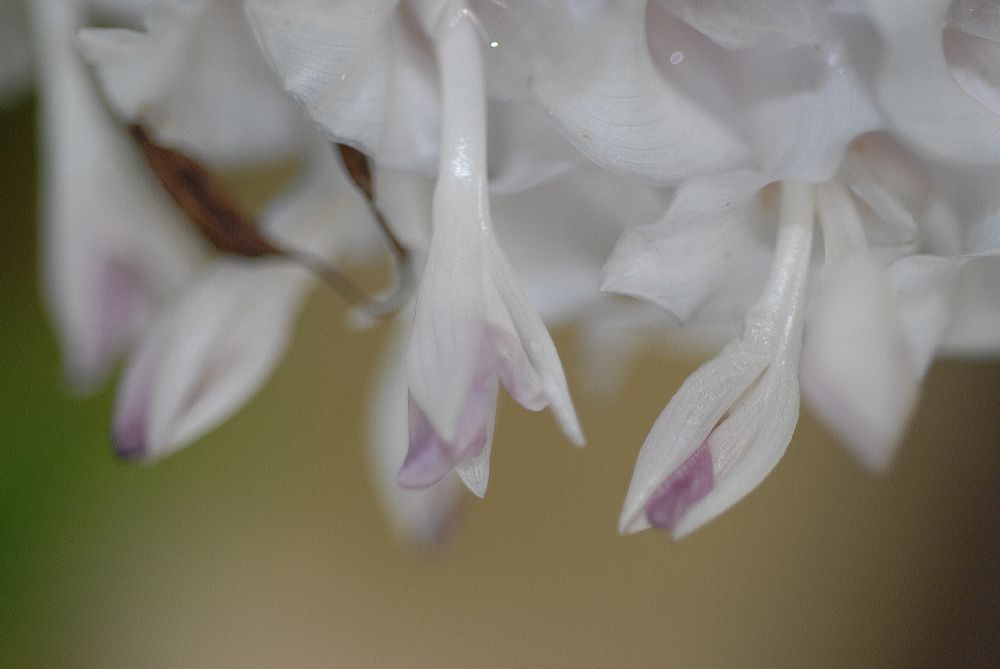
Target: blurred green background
[[263, 545]]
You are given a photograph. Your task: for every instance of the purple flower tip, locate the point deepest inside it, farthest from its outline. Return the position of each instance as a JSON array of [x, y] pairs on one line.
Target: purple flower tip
[[681, 490], [128, 440]]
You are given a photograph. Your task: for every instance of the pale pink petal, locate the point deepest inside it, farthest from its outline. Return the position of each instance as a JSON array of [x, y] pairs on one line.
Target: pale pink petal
[[421, 516]]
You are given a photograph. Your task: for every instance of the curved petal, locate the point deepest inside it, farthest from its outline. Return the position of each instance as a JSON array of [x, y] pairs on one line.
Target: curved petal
[[336, 60], [739, 409], [976, 17], [188, 77], [420, 516], [213, 348], [917, 92], [736, 24], [223, 339], [707, 247], [114, 244], [975, 65], [594, 75], [857, 367]]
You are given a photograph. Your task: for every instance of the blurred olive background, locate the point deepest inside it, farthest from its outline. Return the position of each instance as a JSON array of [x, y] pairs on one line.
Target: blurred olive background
[[263, 544]]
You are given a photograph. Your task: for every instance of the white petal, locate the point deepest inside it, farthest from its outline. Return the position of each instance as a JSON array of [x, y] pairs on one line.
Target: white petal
[[559, 234], [976, 17], [686, 422], [795, 107], [114, 244], [927, 293], [226, 336], [917, 92], [595, 76], [738, 409], [538, 346], [736, 24], [975, 64], [706, 247], [188, 79], [218, 342], [420, 516], [857, 369], [360, 73], [524, 149]]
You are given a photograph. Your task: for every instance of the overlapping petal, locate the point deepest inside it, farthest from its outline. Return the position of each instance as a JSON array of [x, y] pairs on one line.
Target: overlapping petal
[[917, 91], [114, 244], [591, 69], [188, 78], [361, 72], [216, 344], [731, 420]]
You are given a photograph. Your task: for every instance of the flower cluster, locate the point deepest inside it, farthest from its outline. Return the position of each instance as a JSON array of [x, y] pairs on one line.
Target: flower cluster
[[812, 186]]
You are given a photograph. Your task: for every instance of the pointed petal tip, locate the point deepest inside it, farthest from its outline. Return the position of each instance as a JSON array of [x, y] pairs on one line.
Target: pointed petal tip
[[475, 474], [129, 443]]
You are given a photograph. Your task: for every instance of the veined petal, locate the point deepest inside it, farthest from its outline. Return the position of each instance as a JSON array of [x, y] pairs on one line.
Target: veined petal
[[736, 24], [740, 407], [595, 76], [336, 59], [171, 78], [917, 92], [707, 246]]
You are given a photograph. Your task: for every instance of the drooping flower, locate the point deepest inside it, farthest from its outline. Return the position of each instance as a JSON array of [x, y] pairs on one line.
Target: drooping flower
[[881, 307], [473, 326], [214, 344]]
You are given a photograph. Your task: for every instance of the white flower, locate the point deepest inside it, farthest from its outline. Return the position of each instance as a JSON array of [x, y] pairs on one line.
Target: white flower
[[881, 310], [473, 326], [213, 346]]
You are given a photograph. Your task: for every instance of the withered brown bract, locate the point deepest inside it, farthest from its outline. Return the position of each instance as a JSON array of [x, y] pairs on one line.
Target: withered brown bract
[[204, 200]]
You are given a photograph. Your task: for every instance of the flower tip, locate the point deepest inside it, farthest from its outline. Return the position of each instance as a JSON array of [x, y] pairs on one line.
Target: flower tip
[[680, 491], [128, 442]]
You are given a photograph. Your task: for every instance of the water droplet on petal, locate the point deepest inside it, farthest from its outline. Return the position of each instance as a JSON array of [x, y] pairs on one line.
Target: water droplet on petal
[[676, 57]]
